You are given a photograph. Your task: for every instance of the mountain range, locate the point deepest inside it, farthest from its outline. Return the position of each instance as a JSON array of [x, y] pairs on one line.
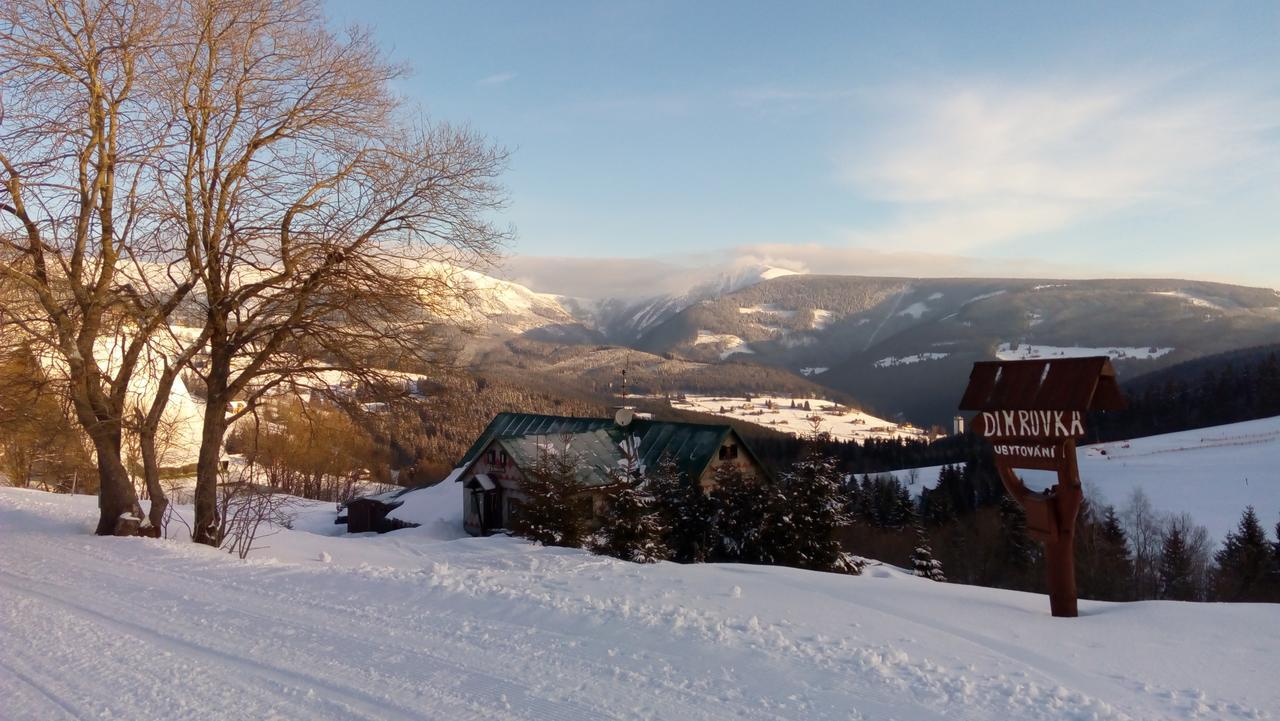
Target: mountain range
[[901, 347]]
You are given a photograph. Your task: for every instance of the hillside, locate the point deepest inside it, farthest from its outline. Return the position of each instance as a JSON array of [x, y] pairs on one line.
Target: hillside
[[1210, 473], [413, 626], [903, 345], [789, 415]]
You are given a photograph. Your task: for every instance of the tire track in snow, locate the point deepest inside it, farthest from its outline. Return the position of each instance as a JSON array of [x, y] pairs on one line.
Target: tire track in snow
[[351, 702], [283, 613], [14, 671]]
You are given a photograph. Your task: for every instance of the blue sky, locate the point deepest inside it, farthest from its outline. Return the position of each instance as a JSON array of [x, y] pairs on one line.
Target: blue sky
[[924, 138]]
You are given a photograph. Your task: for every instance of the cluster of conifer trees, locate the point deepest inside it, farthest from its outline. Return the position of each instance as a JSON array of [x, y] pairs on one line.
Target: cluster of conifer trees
[[816, 516], [1197, 394], [659, 514]]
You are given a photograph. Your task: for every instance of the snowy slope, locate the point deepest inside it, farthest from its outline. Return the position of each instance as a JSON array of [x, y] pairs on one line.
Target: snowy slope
[[626, 320], [1211, 473], [407, 626], [777, 413]]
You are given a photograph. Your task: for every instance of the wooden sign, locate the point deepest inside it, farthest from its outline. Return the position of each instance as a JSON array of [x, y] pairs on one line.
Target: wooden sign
[[1030, 454], [1032, 412], [1029, 424]]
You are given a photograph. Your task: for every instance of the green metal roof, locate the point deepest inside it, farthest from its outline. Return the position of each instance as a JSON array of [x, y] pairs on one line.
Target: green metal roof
[[515, 425], [596, 450], [691, 445]]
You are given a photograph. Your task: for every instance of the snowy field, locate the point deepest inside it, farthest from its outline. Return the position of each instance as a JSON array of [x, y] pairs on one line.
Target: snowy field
[[1211, 473], [426, 624], [1025, 351], [776, 412]]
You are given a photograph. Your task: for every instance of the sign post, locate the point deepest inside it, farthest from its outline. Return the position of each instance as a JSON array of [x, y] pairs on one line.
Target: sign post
[[1032, 412]]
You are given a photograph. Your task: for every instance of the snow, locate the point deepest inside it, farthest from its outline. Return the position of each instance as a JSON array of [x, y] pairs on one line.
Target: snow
[[1025, 351], [770, 273], [909, 359], [915, 310], [403, 626], [773, 411], [992, 294], [768, 309], [814, 371], [705, 337], [1210, 473], [435, 509], [731, 343], [1189, 298], [822, 318]]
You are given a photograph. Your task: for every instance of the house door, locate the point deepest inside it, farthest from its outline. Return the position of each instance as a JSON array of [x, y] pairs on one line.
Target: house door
[[491, 518]]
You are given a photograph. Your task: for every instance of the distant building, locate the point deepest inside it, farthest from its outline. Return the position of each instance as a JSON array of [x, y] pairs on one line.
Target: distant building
[[957, 425], [493, 468]]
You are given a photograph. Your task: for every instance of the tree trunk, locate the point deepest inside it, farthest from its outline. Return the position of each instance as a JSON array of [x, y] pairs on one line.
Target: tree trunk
[[208, 466], [119, 510], [151, 473]]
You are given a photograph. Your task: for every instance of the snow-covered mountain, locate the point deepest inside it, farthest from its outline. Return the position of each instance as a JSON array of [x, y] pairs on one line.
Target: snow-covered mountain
[[907, 344], [511, 307], [899, 345]]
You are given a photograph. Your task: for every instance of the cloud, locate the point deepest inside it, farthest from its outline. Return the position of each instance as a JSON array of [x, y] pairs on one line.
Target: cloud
[[966, 167], [497, 79], [646, 277]]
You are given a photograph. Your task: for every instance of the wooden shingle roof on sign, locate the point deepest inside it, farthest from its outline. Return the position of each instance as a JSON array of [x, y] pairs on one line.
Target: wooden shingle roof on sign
[[1055, 384]]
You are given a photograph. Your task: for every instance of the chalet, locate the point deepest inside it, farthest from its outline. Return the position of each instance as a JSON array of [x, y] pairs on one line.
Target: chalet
[[492, 469]]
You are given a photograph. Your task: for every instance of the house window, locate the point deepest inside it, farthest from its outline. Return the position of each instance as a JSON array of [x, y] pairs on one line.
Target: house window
[[502, 458], [729, 452], [513, 510], [492, 457]]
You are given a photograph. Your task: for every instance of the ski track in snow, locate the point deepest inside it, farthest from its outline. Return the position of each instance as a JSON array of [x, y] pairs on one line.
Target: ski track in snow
[[406, 627]]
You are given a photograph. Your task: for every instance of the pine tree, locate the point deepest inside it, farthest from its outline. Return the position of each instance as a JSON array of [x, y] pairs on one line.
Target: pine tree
[[1017, 550], [633, 529], [922, 559], [1245, 561], [686, 513], [555, 513], [1177, 582], [902, 507], [1115, 565], [954, 494], [739, 516], [935, 505], [811, 512], [778, 539]]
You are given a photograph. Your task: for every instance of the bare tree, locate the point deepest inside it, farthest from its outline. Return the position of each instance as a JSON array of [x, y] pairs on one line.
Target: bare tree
[[79, 136], [1145, 529], [238, 161], [324, 229]]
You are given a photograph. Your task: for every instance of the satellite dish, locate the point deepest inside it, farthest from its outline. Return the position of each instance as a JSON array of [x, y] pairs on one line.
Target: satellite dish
[[623, 417]]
